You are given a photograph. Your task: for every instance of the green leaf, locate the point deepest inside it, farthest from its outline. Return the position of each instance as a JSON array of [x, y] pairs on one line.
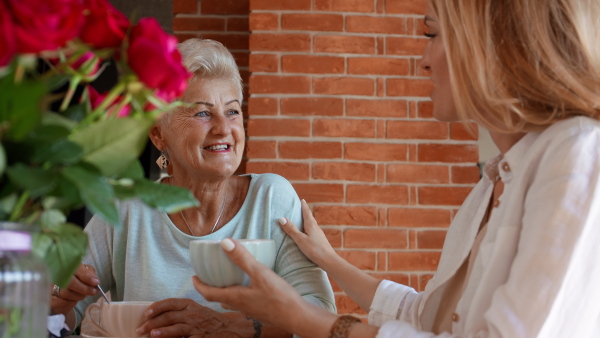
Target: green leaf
[[50, 118], [166, 198], [8, 203], [76, 112], [62, 248], [113, 144], [20, 105], [60, 151], [134, 171], [97, 194], [37, 181], [57, 81], [51, 218]]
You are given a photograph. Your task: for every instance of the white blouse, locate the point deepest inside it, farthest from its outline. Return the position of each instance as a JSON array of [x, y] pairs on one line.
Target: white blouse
[[536, 273]]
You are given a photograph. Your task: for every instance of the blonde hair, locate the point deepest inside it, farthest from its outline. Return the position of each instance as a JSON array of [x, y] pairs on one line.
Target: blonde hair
[[522, 65], [207, 59]]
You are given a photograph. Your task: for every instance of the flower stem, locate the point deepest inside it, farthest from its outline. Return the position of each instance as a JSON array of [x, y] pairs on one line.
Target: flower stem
[[18, 209], [70, 92]]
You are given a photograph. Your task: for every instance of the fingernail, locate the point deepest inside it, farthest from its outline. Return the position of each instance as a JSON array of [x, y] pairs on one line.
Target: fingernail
[[139, 330], [227, 244], [96, 280], [149, 312], [282, 221], [155, 333]]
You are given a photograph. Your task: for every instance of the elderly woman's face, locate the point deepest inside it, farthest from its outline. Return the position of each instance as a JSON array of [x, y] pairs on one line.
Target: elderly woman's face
[[434, 61], [209, 137]]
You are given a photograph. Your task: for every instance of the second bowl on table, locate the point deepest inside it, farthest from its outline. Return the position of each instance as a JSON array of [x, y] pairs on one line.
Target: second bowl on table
[[214, 268]]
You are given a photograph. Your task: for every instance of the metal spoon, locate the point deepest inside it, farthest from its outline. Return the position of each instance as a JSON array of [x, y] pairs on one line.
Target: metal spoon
[[99, 288]]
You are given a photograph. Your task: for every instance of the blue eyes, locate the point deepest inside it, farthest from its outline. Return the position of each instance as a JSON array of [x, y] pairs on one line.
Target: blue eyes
[[206, 113]]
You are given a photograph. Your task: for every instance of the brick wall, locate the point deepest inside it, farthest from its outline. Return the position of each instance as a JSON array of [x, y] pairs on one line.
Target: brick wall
[[338, 105]]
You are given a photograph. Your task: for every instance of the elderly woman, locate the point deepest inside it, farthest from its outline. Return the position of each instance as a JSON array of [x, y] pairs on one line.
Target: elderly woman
[[148, 258], [520, 257]]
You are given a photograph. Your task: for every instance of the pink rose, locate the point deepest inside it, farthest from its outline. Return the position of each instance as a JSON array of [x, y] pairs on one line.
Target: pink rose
[[105, 26], [8, 45], [45, 25], [96, 99], [154, 57]]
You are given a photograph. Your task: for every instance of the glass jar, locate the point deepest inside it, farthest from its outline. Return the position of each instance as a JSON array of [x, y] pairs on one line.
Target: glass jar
[[24, 284]]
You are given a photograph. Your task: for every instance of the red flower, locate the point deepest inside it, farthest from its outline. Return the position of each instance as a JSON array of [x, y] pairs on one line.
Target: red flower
[[154, 57], [96, 99], [45, 25], [105, 26], [8, 45]]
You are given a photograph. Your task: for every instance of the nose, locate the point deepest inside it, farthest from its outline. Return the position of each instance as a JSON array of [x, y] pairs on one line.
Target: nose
[[221, 125]]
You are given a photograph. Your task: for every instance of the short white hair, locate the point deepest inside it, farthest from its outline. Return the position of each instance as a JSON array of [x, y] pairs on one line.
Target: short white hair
[[209, 59]]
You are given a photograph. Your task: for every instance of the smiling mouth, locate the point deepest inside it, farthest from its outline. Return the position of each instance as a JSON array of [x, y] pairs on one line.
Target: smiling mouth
[[219, 147]]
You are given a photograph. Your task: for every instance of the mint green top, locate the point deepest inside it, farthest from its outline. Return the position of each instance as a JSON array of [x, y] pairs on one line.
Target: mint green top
[[148, 257]]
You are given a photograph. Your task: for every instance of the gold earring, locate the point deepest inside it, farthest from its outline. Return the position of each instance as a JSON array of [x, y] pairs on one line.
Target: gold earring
[[162, 161]]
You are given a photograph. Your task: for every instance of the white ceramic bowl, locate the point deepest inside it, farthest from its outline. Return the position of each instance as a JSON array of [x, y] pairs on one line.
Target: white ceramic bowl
[[214, 268]]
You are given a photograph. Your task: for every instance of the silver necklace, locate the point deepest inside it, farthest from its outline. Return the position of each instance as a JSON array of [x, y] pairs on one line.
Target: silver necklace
[[218, 217]]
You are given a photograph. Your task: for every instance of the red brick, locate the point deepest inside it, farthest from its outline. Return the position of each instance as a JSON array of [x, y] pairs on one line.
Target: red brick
[[415, 173], [291, 5], [230, 40], [465, 175], [425, 109], [278, 127], [334, 236], [375, 24], [227, 7], [424, 278], [279, 84], [375, 152], [343, 128], [185, 6], [406, 7], [381, 261], [335, 171], [315, 193], [184, 36], [421, 130], [312, 106], [409, 87], [345, 304], [261, 149], [379, 108], [361, 259], [344, 44], [363, 6], [443, 195], [449, 153], [388, 194], [262, 106], [264, 63], [312, 22], [378, 66], [313, 64], [198, 24], [238, 24], [306, 150], [400, 278], [417, 217], [431, 239], [344, 86], [280, 42], [414, 261], [345, 215], [464, 132], [405, 46], [376, 238], [264, 22], [291, 171]]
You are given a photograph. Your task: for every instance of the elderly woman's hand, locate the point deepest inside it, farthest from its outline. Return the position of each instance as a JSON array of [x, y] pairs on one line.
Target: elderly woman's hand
[[312, 242], [182, 317], [82, 284]]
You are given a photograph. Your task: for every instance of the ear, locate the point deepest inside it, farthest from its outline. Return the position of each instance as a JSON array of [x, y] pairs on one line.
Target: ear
[[155, 134]]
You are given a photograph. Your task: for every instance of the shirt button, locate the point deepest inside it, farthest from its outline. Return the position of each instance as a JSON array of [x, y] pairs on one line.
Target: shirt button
[[455, 317], [505, 167]]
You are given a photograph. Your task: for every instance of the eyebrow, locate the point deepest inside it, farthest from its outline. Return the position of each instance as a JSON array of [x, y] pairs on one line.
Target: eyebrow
[[212, 105]]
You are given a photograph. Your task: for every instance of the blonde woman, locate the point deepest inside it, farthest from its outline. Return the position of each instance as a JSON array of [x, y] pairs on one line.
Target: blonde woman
[[520, 257]]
